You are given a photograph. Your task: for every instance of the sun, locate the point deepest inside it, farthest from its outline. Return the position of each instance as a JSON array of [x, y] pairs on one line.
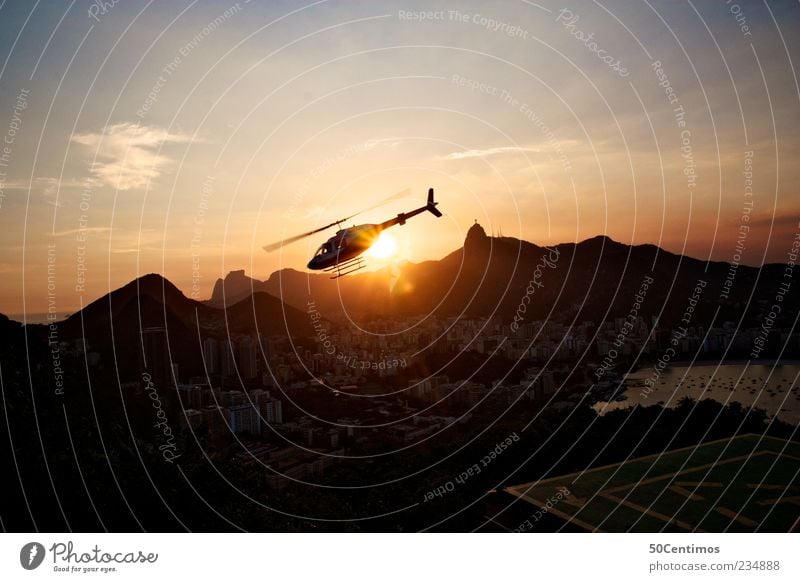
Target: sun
[[383, 248]]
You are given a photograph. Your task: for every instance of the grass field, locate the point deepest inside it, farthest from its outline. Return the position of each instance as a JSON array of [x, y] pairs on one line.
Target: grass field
[[747, 483]]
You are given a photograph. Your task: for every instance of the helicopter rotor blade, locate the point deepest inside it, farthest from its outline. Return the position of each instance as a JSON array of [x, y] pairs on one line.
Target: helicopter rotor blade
[[396, 196], [275, 246], [286, 241]]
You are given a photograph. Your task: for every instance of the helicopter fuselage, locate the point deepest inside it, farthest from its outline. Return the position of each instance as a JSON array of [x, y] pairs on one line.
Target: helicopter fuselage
[[345, 245], [348, 244]]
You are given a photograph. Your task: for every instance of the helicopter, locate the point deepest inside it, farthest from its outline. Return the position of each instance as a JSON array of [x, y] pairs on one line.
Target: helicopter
[[341, 253]]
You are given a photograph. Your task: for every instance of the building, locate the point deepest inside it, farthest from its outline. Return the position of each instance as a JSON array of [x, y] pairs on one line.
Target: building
[[263, 343], [244, 418], [191, 418], [191, 395], [211, 355], [227, 362], [419, 387], [272, 411], [156, 357], [541, 383], [214, 418], [247, 359], [233, 398]]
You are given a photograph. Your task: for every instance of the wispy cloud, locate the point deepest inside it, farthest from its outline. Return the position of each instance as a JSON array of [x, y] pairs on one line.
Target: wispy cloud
[[490, 152], [315, 211], [51, 186], [127, 154], [93, 230], [47, 186]]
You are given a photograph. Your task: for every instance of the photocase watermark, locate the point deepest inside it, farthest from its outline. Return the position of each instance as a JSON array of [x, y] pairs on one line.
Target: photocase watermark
[[381, 363], [527, 111], [551, 502], [324, 167], [31, 555], [326, 343], [52, 327], [421, 15], [14, 126], [548, 260], [82, 234], [100, 8], [169, 447], [688, 313], [530, 114], [679, 113], [206, 192], [627, 327], [67, 559], [475, 85], [675, 340], [329, 348], [744, 226], [473, 470], [169, 69], [739, 17], [569, 21], [477, 19], [783, 288], [490, 24]]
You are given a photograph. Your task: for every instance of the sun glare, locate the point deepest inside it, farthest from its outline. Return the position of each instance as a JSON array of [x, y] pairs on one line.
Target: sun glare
[[383, 248]]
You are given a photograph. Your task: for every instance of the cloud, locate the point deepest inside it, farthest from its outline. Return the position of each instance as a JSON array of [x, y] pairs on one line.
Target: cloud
[[92, 230], [126, 154], [51, 186], [789, 219], [315, 211], [48, 186], [14, 184], [490, 152]]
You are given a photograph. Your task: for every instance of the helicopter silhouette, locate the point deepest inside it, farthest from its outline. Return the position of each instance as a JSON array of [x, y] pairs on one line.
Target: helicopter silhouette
[[341, 253]]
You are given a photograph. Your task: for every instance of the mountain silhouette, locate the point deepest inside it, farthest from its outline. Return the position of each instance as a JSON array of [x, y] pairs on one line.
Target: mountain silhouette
[[113, 325], [152, 300], [593, 280], [235, 287]]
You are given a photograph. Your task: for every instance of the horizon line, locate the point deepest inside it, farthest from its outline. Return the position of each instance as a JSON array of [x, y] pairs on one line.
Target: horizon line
[[15, 316]]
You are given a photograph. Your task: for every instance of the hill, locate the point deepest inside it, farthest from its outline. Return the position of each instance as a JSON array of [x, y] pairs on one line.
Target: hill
[[595, 280]]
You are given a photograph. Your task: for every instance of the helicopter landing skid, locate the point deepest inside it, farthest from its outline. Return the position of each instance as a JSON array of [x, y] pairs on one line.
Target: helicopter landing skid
[[347, 267]]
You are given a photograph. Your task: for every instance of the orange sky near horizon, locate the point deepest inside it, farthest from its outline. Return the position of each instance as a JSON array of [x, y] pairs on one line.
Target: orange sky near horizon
[[181, 138]]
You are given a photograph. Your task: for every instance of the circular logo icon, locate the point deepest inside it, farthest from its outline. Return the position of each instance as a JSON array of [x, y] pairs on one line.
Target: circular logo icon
[[31, 555]]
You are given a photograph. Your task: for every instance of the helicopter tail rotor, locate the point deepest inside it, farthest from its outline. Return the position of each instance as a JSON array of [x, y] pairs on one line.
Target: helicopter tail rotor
[[431, 207]]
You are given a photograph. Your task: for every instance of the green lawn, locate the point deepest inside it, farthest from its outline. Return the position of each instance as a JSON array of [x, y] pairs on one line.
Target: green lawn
[[740, 484]]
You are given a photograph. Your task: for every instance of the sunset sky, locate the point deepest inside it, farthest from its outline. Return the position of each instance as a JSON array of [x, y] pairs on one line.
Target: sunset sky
[[181, 137]]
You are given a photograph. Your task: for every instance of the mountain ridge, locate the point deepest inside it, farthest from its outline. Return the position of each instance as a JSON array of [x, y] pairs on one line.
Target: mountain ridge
[[482, 263], [595, 278]]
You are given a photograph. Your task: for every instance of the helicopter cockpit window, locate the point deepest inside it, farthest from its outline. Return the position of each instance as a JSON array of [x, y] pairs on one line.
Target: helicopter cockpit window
[[323, 250]]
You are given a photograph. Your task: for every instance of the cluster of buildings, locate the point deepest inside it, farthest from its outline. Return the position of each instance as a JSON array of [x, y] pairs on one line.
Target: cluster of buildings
[[236, 355], [235, 411], [540, 341], [250, 378], [285, 463], [537, 384]]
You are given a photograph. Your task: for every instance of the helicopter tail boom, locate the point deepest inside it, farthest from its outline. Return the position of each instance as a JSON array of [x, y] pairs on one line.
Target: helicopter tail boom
[[404, 216]]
